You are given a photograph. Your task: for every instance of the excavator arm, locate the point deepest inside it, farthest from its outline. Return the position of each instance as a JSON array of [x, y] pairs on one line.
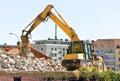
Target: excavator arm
[[57, 20], [40, 18]]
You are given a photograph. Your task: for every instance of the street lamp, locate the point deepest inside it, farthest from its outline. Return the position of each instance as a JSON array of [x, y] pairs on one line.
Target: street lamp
[[15, 36], [18, 43]]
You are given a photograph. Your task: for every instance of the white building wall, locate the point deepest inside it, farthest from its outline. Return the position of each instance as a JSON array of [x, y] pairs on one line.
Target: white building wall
[[55, 51]]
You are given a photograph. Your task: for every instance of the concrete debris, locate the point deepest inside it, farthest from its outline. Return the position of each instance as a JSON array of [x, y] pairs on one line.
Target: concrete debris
[[13, 62]]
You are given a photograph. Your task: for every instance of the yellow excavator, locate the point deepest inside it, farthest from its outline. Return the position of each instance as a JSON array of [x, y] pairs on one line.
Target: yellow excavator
[[79, 52]]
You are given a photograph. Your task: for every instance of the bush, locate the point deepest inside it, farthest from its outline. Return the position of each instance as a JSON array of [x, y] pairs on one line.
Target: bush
[[109, 75], [84, 73], [118, 76], [94, 74]]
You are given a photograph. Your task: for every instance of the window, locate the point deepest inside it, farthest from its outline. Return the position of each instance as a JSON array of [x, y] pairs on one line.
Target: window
[[17, 79], [51, 48], [55, 55], [111, 63], [102, 52], [55, 49], [102, 45], [106, 51], [119, 52], [106, 57], [97, 51], [108, 45], [63, 53], [59, 58], [60, 52], [59, 49], [111, 51], [119, 65], [106, 63], [119, 59], [102, 57], [41, 48], [118, 46], [110, 57]]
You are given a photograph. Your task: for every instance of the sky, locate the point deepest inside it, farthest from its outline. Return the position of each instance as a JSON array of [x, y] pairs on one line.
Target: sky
[[91, 19]]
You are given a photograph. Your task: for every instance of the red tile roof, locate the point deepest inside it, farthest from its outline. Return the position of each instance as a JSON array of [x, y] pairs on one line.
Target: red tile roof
[[14, 51]]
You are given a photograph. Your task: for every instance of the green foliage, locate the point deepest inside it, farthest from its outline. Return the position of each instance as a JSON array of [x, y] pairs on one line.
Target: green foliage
[[84, 72], [118, 76], [64, 77], [95, 74], [51, 77], [109, 75]]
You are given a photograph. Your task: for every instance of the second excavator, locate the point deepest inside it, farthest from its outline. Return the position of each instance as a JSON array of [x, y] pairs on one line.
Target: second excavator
[[79, 52]]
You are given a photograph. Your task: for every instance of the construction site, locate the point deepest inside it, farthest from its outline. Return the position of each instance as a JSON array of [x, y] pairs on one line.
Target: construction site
[[78, 58]]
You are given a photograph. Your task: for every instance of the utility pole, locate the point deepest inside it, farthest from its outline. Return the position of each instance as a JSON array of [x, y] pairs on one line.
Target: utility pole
[[55, 31]]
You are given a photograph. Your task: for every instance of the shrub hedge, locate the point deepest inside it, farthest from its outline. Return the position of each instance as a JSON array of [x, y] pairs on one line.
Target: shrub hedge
[[93, 74]]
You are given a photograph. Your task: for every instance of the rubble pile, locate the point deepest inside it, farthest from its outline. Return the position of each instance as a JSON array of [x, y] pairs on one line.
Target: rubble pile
[[12, 62]]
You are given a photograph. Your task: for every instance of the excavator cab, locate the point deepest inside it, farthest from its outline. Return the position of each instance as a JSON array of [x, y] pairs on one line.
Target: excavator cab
[[78, 54], [75, 47]]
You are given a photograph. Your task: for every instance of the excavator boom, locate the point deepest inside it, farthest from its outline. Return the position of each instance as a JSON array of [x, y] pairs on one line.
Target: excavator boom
[[67, 29], [40, 18]]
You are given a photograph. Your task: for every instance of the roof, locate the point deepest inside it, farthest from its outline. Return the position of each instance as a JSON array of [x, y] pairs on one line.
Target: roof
[[14, 51]]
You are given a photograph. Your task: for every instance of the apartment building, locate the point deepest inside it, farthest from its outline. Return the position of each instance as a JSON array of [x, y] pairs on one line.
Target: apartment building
[[109, 50], [52, 48]]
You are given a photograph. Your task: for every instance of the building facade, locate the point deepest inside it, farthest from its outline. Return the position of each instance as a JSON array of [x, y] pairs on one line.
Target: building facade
[[52, 48], [109, 50]]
